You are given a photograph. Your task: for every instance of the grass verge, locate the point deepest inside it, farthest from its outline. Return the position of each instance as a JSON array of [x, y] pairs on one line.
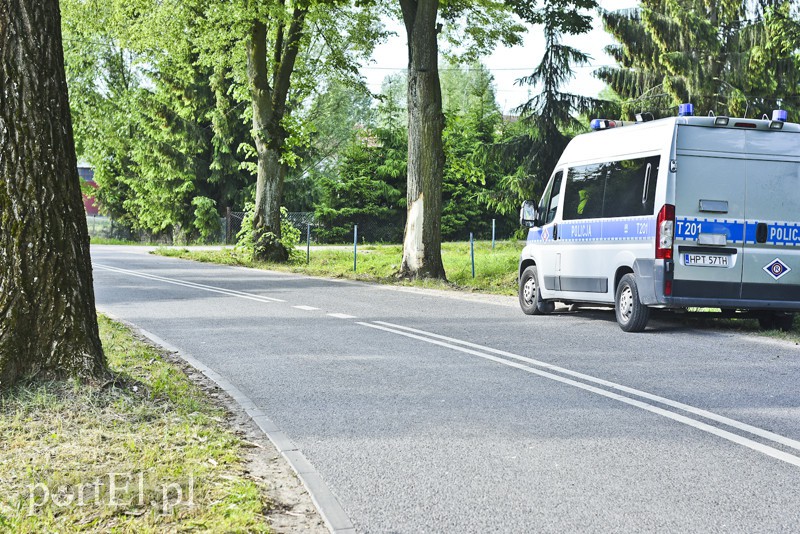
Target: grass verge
[[147, 453], [495, 269]]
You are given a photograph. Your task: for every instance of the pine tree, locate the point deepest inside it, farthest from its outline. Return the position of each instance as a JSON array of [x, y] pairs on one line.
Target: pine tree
[[549, 115], [720, 56]]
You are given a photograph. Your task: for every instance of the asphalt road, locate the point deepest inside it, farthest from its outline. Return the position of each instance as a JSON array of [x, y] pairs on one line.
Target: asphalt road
[[424, 412]]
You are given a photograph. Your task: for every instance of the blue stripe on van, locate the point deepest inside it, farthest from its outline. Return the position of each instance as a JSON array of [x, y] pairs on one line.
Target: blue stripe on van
[[687, 229], [737, 231], [593, 230], [778, 233]]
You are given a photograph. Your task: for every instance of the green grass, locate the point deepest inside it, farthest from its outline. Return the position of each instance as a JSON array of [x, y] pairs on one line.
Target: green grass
[[495, 270], [113, 241], [63, 440]]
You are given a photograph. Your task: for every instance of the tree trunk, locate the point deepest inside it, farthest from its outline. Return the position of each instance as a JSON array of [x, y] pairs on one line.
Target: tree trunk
[[269, 109], [422, 244], [48, 323], [269, 183]]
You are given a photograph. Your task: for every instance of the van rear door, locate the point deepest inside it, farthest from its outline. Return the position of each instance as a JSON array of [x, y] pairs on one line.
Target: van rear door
[[772, 208], [710, 191]]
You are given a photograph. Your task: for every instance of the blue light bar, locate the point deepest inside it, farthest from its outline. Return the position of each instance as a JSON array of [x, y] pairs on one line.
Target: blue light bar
[[686, 110], [780, 115], [598, 124], [605, 124]]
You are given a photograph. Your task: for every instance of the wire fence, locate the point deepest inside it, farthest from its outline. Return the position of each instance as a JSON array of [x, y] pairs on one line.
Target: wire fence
[[373, 230]]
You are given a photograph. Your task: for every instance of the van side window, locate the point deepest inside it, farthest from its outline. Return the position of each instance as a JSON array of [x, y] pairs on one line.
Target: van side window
[[549, 205], [585, 191], [631, 187], [623, 188]]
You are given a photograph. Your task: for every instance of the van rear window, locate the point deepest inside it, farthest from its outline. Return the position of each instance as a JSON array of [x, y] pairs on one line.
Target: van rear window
[[624, 188]]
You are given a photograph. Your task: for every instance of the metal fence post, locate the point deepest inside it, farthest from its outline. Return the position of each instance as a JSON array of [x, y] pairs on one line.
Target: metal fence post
[[355, 247], [472, 253], [227, 225], [493, 221], [308, 243]]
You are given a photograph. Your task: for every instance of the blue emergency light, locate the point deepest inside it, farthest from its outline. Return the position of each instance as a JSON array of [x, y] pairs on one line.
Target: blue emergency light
[[600, 124], [686, 110], [780, 115]]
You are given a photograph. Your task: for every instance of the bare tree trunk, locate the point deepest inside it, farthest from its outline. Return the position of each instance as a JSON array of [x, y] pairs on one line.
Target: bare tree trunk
[[269, 109], [422, 244], [266, 132], [48, 323]]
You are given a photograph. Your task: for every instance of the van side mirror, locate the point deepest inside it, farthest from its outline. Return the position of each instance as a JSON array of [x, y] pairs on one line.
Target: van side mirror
[[527, 214]]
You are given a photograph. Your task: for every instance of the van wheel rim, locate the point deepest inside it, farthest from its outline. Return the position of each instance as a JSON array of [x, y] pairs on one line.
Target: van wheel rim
[[626, 303], [529, 290]]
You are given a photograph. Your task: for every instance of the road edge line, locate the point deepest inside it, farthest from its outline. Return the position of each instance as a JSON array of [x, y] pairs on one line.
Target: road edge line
[[328, 506]]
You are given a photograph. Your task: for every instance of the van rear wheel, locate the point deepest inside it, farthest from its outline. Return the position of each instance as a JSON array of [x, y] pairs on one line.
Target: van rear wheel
[[530, 298], [632, 315]]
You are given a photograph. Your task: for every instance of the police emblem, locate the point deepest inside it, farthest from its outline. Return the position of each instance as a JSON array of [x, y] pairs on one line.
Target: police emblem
[[776, 268]]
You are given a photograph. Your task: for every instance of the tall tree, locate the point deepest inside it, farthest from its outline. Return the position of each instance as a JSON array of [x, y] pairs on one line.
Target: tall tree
[[287, 44], [422, 244], [48, 322], [721, 56], [486, 22], [269, 93], [160, 128], [550, 115]]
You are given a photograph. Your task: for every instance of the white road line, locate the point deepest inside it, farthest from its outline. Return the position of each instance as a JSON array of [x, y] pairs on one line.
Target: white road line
[[766, 434], [306, 308], [341, 316], [734, 438], [213, 289]]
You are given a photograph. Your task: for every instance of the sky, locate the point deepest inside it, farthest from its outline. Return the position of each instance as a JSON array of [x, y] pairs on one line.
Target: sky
[[508, 64]]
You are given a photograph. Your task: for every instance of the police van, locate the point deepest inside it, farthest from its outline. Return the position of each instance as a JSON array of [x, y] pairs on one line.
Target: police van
[[687, 211]]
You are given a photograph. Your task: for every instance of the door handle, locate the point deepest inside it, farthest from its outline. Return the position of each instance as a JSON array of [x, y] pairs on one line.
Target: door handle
[[555, 232], [761, 233]]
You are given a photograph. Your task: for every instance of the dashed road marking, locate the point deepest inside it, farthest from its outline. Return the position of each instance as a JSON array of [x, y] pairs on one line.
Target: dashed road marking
[[342, 316], [305, 308]]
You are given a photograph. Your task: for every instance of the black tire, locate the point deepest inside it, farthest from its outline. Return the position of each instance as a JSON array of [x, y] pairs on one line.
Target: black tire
[[530, 298], [776, 321], [632, 315]]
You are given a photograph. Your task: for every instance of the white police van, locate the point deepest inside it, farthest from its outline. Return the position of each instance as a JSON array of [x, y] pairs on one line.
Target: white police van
[[672, 213]]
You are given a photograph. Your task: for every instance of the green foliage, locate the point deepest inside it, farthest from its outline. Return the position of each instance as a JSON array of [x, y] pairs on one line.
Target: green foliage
[[367, 186], [473, 120], [159, 128], [367, 189], [338, 114], [732, 57], [549, 118], [206, 218]]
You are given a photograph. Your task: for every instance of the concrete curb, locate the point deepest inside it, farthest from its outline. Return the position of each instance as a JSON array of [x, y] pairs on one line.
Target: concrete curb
[[327, 504]]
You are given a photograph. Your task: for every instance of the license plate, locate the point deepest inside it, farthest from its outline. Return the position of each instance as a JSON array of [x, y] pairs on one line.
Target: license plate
[[707, 260]]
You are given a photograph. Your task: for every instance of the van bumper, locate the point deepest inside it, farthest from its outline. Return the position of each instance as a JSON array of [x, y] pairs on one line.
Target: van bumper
[[740, 304]]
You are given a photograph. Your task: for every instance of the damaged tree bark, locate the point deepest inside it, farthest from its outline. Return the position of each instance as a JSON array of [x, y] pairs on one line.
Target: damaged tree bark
[[422, 244]]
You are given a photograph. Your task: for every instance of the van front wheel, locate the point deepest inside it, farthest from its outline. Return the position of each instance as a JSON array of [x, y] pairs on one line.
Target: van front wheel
[[632, 315], [530, 298]]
